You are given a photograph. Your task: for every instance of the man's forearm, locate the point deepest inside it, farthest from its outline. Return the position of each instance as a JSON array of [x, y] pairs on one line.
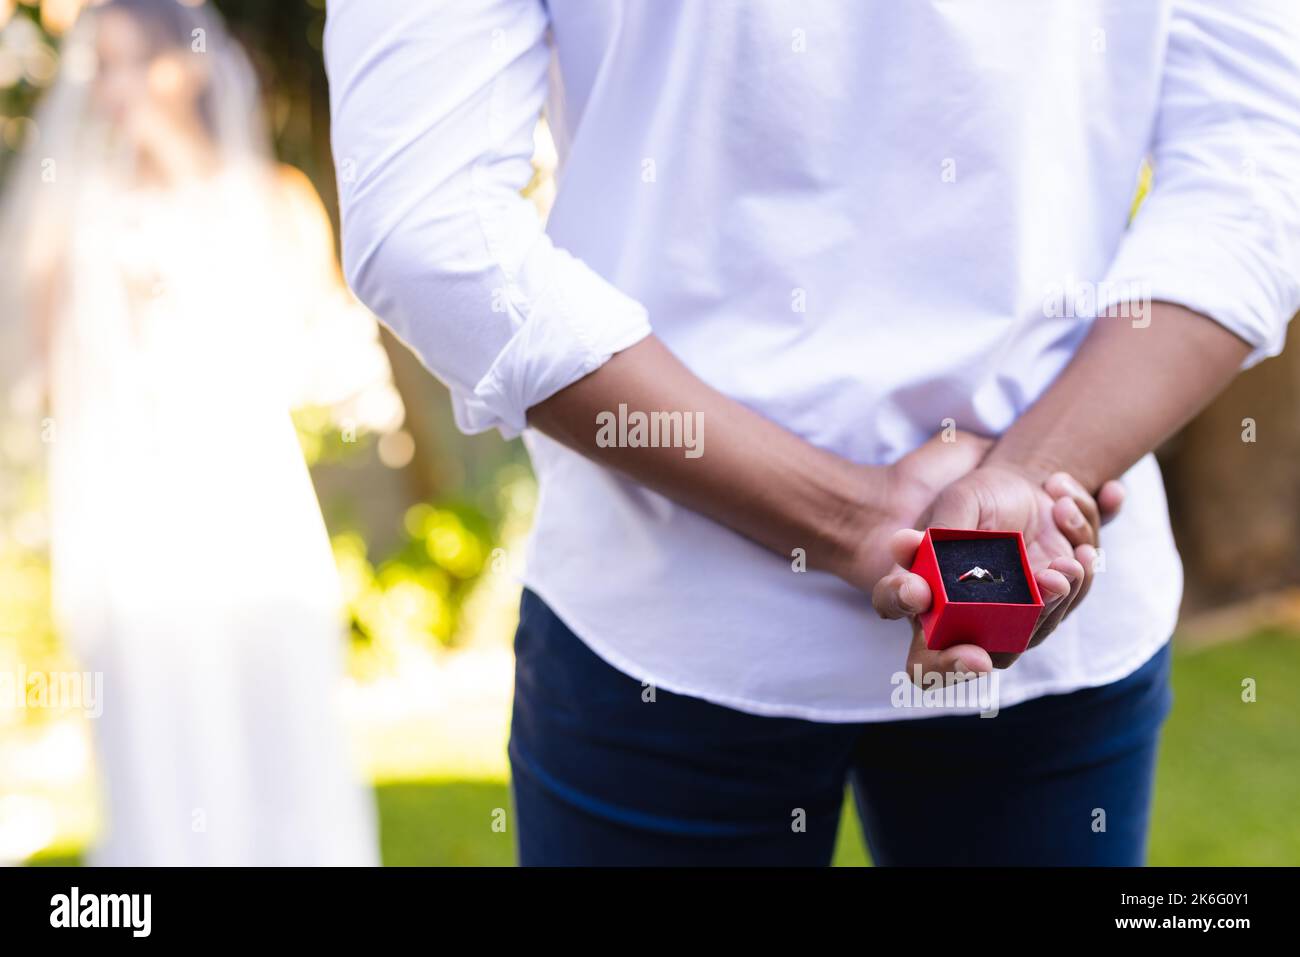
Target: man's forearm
[[751, 475], [1125, 391]]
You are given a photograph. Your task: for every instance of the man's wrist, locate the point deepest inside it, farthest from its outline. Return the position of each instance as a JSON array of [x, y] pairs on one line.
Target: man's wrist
[[1036, 465], [892, 500], [859, 508]]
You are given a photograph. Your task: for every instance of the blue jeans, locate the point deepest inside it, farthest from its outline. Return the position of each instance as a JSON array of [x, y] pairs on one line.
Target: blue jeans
[[601, 777]]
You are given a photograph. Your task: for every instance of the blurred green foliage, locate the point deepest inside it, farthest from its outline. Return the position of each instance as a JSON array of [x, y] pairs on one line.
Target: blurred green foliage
[[416, 592], [26, 629], [413, 593]]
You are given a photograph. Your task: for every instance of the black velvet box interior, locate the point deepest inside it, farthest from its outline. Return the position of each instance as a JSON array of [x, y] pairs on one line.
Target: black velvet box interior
[[1001, 556]]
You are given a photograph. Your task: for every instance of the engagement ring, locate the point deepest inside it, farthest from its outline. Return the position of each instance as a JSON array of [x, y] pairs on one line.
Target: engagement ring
[[980, 575]]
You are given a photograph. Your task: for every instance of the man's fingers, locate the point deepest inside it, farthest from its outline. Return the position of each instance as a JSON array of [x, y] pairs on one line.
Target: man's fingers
[[1064, 576], [958, 663], [1063, 485], [1110, 500], [900, 594], [1097, 509], [1072, 522], [1073, 571], [1055, 588], [1053, 585], [903, 545], [1086, 556]]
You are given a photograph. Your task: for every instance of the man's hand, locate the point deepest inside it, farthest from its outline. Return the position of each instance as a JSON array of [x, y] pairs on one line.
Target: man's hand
[[904, 492], [1060, 522], [1153, 380]]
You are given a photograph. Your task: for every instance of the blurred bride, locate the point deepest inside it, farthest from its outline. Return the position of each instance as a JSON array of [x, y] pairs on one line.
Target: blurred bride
[[167, 289]]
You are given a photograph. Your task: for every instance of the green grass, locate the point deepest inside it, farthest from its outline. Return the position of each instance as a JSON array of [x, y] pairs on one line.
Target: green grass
[[450, 823], [445, 822], [1227, 789]]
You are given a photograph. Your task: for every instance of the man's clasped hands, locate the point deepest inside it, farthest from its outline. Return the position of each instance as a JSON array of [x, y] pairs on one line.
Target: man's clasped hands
[[953, 481]]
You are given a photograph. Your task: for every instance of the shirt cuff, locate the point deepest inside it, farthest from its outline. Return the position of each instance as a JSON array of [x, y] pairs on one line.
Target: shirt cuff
[[567, 332], [1220, 277]]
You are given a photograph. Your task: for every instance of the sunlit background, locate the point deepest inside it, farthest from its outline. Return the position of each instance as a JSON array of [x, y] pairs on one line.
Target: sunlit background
[[427, 528]]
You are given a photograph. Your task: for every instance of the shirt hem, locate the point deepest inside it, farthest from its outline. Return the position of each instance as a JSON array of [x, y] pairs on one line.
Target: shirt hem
[[1145, 650]]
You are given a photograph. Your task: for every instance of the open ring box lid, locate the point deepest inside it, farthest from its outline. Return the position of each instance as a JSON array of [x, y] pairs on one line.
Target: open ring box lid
[[997, 616]]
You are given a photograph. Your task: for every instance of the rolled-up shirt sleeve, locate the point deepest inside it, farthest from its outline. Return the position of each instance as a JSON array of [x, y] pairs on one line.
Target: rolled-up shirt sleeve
[[1219, 231], [433, 110]]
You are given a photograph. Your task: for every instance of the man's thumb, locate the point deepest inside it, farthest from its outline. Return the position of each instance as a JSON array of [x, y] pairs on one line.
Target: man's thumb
[[954, 507]]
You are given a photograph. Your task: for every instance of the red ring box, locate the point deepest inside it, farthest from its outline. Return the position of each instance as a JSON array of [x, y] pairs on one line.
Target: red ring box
[[997, 617]]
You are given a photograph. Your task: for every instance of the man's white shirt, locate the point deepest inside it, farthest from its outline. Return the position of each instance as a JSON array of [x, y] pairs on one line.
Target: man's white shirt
[[865, 220]]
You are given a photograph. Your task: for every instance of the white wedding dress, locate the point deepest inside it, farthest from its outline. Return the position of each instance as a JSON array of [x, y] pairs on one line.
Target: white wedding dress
[[190, 561], [172, 329]]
